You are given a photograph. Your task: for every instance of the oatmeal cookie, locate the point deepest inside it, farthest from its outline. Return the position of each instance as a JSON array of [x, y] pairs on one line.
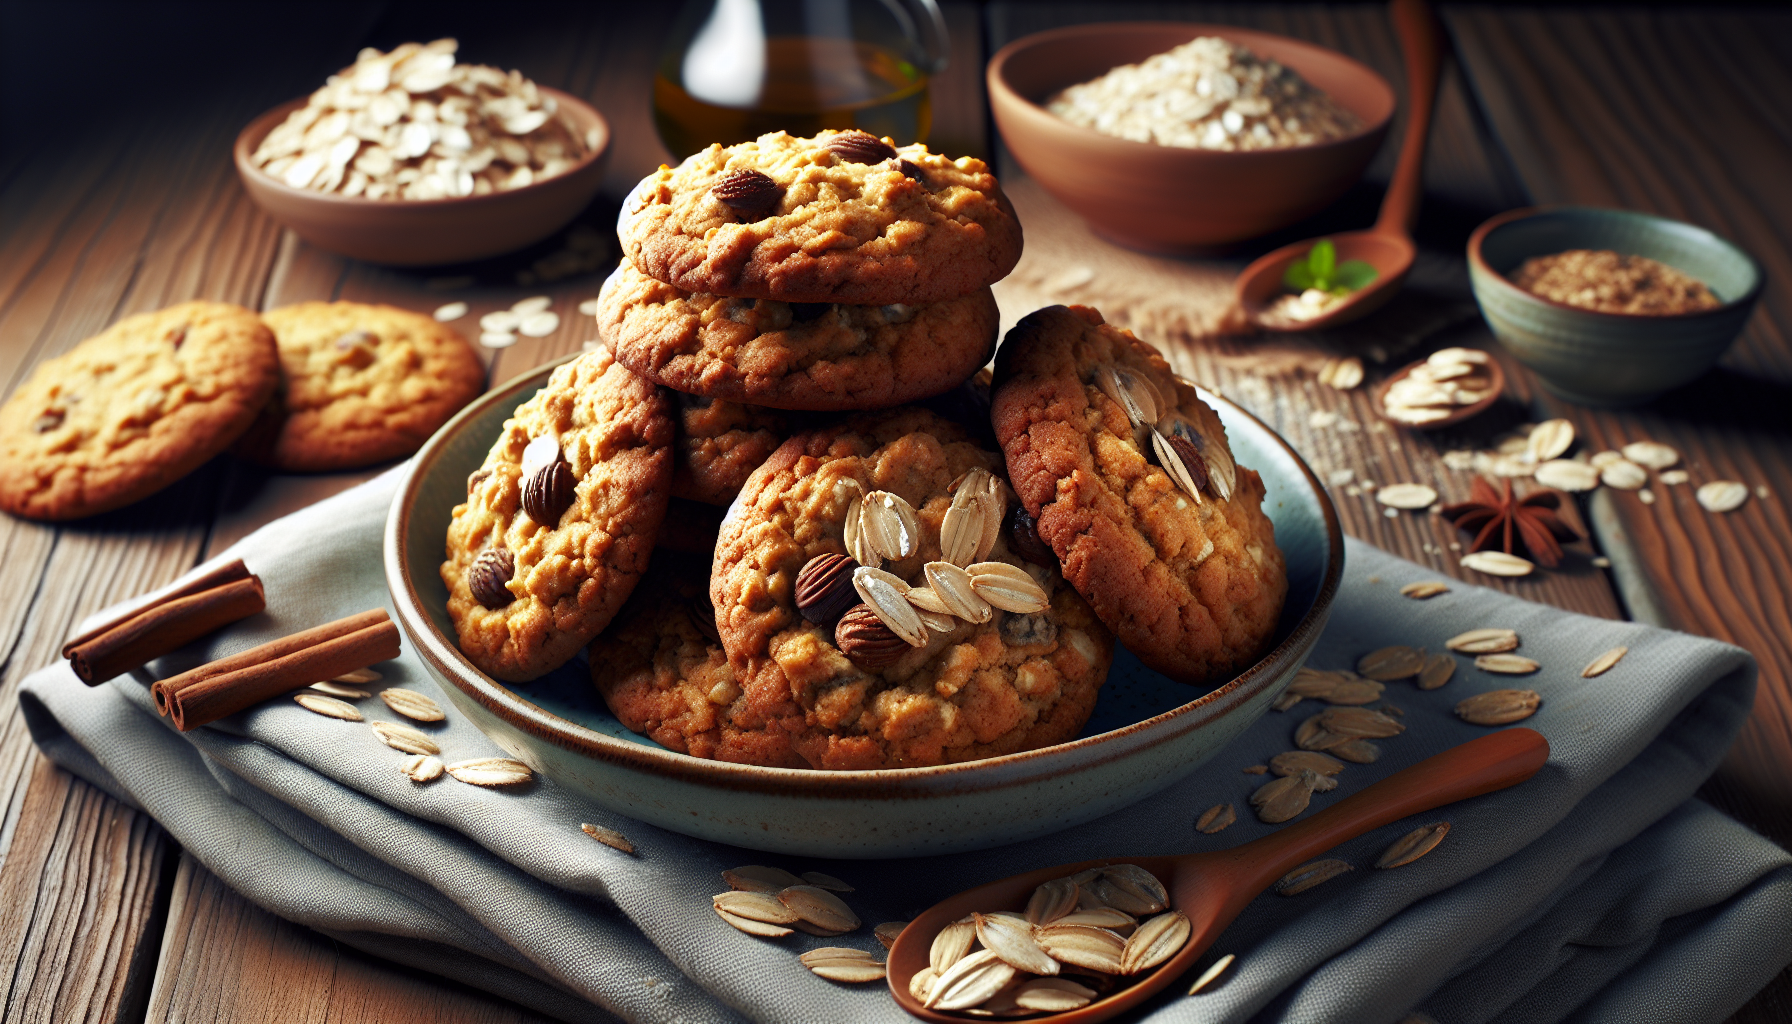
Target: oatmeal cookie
[[362, 384], [839, 659], [663, 672], [133, 409], [720, 443], [818, 356], [1174, 552], [841, 217], [560, 519]]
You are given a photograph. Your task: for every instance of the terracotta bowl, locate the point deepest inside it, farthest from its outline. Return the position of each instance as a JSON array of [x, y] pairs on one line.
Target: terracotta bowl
[[424, 232], [1164, 198], [1147, 732], [1610, 359]]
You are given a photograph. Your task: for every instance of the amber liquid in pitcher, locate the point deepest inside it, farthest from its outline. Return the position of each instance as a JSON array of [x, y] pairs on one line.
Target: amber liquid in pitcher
[[809, 85]]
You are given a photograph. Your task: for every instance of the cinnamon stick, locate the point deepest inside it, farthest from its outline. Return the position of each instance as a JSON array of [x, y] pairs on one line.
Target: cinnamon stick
[[164, 690], [216, 576], [165, 626], [230, 692]]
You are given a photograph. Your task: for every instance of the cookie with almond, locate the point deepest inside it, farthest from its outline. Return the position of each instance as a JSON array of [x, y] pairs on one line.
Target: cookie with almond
[[1133, 485], [560, 518], [133, 409], [361, 384], [876, 613]]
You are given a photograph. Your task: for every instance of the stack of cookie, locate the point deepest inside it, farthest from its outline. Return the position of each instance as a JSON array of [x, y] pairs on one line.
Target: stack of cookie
[[316, 387], [796, 332]]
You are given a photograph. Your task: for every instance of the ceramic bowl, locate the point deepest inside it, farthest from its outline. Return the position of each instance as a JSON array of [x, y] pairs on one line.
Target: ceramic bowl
[[426, 232], [1609, 359], [1164, 198], [1146, 732]]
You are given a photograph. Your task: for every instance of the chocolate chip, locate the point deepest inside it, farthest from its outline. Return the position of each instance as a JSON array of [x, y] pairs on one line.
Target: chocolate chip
[[48, 421], [859, 147], [1028, 630], [475, 478], [803, 312], [549, 492], [1023, 537], [866, 641], [748, 193], [912, 171], [824, 588], [178, 335], [487, 576]]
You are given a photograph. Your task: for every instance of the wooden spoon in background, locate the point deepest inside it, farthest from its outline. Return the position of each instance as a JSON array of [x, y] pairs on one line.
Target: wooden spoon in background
[[1213, 888], [1388, 245]]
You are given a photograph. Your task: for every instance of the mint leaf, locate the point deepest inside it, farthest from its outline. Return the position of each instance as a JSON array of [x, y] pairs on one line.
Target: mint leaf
[[1321, 261], [1297, 277], [1354, 275]]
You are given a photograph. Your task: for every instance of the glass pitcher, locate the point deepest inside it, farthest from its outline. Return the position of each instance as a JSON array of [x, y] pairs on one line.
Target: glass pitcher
[[737, 69]]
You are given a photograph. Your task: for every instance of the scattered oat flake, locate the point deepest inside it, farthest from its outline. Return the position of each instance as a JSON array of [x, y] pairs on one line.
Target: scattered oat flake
[[1506, 664], [421, 768], [1340, 477], [1309, 875], [824, 881], [839, 963], [588, 307], [1624, 475], [763, 929], [1601, 562], [329, 707], [1722, 495], [1651, 454], [403, 737], [1674, 477], [412, 704], [1319, 419], [1423, 589], [1342, 374], [1413, 845], [540, 325], [1499, 707], [1549, 439], [1207, 976], [344, 692], [1603, 664], [491, 771], [1497, 563], [608, 836], [450, 311], [1257, 769], [1216, 818], [1407, 496], [1491, 640], [494, 339]]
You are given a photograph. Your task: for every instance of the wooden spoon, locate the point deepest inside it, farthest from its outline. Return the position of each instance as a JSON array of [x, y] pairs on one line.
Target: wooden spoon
[[1388, 245], [1213, 888]]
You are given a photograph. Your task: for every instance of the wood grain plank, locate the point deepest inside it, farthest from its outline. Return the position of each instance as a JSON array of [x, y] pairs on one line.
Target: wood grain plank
[[223, 958]]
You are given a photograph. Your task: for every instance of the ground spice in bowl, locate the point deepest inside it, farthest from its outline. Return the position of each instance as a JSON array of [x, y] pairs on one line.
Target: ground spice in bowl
[[1610, 282]]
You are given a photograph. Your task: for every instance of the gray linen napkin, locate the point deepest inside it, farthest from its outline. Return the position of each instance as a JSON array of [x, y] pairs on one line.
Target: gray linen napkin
[[1598, 891]]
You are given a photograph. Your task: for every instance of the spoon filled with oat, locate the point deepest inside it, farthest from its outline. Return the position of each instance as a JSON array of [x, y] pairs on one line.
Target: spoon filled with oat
[[1330, 281], [1083, 942]]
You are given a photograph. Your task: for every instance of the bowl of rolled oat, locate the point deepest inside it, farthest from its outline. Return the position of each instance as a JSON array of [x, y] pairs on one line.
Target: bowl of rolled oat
[[411, 158], [1610, 307], [1176, 137]]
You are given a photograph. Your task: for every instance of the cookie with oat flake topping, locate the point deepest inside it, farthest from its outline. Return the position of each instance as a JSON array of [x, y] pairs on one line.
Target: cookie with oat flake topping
[[1132, 480], [133, 409]]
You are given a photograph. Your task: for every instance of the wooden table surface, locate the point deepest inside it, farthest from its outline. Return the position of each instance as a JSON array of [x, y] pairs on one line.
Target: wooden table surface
[[103, 918]]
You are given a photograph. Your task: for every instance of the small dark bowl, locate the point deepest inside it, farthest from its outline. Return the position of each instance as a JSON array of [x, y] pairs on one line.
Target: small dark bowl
[[1609, 359], [424, 232], [1166, 198]]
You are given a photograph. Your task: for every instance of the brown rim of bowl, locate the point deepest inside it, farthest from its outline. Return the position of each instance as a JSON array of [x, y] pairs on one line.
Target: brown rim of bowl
[[1502, 282], [1496, 375], [445, 656], [258, 129], [995, 74]]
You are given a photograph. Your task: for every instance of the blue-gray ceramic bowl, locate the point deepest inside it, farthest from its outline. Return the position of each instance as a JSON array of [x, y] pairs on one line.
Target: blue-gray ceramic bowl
[[1146, 732], [1609, 359]]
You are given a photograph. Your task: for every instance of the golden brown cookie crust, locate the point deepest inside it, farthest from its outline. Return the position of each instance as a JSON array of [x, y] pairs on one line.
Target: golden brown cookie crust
[[823, 357], [841, 231], [665, 676], [969, 694], [133, 409], [1128, 538], [615, 431], [720, 444], [362, 384]]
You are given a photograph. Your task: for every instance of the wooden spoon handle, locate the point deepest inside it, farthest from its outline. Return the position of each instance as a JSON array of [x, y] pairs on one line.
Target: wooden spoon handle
[[1479, 766], [1422, 41]]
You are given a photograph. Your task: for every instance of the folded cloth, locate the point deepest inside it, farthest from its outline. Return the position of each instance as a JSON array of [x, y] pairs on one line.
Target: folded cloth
[[1599, 890]]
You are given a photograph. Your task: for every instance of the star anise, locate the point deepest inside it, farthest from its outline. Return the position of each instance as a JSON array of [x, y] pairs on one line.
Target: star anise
[[1514, 525]]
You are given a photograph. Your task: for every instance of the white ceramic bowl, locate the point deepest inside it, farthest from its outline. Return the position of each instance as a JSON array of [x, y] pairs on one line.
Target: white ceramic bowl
[[1146, 732]]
